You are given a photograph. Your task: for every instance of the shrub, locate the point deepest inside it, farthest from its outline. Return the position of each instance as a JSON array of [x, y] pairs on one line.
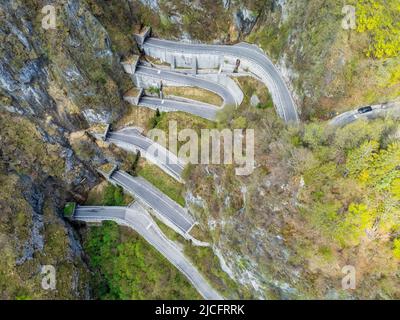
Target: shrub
[[381, 20]]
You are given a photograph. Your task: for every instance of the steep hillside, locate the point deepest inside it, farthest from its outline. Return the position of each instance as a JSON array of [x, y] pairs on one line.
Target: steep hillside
[[320, 198]]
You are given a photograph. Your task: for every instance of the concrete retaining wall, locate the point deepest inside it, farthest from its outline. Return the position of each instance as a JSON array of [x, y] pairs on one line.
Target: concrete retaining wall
[[216, 60], [148, 81], [129, 68], [161, 108], [140, 38], [228, 83], [131, 100], [106, 131]]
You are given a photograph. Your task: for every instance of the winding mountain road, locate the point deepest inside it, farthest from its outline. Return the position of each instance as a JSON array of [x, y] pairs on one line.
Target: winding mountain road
[[203, 110], [170, 212], [188, 80], [253, 59], [131, 140], [378, 110], [139, 220]]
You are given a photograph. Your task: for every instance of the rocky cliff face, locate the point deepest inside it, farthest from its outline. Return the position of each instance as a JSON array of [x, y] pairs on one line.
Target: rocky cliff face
[[52, 82]]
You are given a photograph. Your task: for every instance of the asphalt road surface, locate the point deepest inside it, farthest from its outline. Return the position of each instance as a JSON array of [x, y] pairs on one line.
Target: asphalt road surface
[[379, 110], [199, 109], [156, 200], [139, 220]]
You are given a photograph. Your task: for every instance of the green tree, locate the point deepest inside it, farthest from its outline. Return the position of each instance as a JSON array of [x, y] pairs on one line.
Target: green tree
[[314, 135], [153, 122], [133, 170]]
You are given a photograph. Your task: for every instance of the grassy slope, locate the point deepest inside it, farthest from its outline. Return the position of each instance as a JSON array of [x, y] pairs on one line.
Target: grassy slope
[[194, 94], [163, 182], [127, 267]]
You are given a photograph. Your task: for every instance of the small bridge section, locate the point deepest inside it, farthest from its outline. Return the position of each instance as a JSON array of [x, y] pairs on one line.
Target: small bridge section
[[136, 218]]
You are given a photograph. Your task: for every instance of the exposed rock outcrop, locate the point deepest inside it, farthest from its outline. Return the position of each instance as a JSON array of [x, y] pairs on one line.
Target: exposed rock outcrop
[[52, 82]]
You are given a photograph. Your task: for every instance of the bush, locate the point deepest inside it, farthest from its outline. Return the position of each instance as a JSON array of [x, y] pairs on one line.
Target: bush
[[154, 121], [113, 196]]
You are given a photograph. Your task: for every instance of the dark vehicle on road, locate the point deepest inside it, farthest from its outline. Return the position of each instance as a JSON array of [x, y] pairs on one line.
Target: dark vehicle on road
[[365, 109]]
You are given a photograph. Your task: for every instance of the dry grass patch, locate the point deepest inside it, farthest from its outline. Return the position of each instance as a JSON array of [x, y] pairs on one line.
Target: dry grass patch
[[95, 196], [194, 94]]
